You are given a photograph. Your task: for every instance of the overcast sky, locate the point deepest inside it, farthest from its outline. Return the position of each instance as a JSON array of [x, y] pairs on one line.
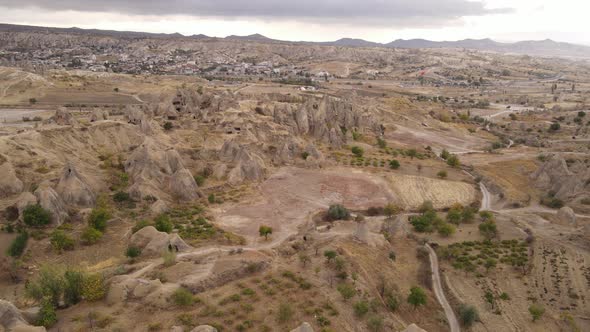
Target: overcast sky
[[318, 20]]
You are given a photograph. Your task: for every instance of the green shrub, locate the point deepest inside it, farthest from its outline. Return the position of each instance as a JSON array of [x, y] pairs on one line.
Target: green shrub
[[488, 229], [168, 125], [375, 323], [36, 216], [536, 311], [446, 229], [169, 258], [338, 212], [200, 180], [347, 291], [391, 301], [49, 284], [468, 315], [381, 143], [453, 161], [47, 315], [133, 252], [183, 297], [330, 254], [284, 313], [74, 280], [394, 164], [211, 198], [357, 151], [93, 287], [163, 224], [361, 308], [91, 236], [265, 231], [121, 197], [98, 219], [18, 245], [442, 174], [304, 155], [417, 297], [61, 241], [445, 154]]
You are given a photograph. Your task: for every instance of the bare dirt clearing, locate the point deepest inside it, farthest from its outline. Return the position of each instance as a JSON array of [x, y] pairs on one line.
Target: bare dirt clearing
[[291, 195]]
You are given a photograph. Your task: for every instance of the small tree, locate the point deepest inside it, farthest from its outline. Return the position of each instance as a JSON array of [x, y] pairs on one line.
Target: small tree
[[453, 161], [361, 308], [446, 229], [417, 297], [91, 236], [489, 264], [183, 297], [468, 315], [445, 154], [390, 210], [442, 174], [330, 255], [394, 164], [375, 323], [347, 291], [304, 259], [536, 311], [98, 219], [338, 212], [488, 229], [36, 216], [265, 231]]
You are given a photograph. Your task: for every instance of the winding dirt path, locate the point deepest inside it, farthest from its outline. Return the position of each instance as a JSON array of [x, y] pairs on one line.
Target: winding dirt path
[[440, 294]]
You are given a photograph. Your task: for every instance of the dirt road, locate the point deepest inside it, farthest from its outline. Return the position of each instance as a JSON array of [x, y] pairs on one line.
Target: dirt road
[[440, 294]]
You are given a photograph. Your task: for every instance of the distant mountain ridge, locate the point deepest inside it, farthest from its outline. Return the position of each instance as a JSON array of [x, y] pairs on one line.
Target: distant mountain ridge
[[545, 47]]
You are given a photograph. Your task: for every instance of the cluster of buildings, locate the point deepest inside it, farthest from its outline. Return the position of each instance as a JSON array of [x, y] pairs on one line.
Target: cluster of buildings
[[171, 63]]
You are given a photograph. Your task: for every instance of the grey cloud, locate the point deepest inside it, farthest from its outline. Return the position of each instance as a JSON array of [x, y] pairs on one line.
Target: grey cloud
[[366, 11]]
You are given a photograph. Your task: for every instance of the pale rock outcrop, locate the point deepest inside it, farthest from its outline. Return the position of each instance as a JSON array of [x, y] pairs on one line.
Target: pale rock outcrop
[[413, 328], [139, 118], [63, 117], [566, 216], [12, 319], [362, 232], [248, 165], [204, 328], [567, 183], [73, 188], [304, 327], [153, 243], [219, 171], [155, 169], [159, 207], [50, 200], [10, 184], [99, 115], [25, 199], [328, 120]]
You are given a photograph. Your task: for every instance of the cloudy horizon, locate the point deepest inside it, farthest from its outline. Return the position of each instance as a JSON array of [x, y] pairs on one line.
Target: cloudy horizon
[[317, 20]]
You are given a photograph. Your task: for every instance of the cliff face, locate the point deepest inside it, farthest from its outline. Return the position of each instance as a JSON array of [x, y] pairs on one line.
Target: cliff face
[[570, 183]]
